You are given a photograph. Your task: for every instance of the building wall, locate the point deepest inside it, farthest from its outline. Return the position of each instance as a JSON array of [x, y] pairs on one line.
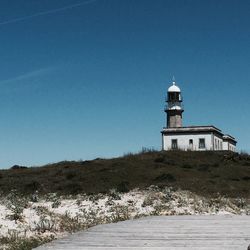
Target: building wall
[[232, 147], [225, 145], [184, 141], [212, 142], [218, 143], [229, 146]]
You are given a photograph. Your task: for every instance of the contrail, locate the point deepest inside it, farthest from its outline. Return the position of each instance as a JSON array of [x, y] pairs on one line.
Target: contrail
[[15, 20], [25, 76]]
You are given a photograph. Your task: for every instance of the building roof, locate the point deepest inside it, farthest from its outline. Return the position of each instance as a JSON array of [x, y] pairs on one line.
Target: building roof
[[174, 88], [228, 138], [192, 129]]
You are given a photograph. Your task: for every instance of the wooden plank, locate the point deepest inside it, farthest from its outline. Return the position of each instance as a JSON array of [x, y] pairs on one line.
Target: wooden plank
[[163, 232]]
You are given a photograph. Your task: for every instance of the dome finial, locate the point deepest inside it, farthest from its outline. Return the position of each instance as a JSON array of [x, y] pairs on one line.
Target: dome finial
[[173, 78]]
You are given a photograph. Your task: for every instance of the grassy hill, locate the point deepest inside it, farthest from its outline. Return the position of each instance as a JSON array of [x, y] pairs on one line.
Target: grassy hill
[[205, 173]]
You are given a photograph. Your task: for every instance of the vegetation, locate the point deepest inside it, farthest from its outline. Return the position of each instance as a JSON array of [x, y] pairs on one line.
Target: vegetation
[[205, 173], [15, 242]]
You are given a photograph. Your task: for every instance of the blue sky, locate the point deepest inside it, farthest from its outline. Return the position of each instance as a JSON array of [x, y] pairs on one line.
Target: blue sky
[[84, 79]]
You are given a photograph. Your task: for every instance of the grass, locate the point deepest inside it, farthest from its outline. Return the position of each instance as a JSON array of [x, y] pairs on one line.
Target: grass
[[13, 241], [205, 173]]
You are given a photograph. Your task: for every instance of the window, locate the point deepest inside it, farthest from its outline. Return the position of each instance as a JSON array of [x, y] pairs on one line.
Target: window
[[202, 143], [174, 144], [190, 144]]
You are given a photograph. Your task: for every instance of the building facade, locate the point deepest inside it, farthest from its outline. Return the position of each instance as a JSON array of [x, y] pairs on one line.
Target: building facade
[[196, 138]]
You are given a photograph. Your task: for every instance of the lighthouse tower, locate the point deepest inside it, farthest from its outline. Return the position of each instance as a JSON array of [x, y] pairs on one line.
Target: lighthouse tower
[[174, 108]]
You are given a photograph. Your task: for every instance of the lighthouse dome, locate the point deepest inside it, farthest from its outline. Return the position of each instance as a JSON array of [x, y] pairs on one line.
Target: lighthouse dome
[[174, 88]]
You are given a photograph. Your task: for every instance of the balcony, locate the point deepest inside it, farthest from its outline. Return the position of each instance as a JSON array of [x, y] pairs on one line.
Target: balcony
[[174, 105]]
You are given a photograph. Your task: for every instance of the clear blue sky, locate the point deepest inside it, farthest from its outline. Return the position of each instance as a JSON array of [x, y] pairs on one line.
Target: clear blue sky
[[85, 79]]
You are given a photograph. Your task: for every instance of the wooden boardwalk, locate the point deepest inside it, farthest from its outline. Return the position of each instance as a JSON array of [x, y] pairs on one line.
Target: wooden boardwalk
[[163, 232]]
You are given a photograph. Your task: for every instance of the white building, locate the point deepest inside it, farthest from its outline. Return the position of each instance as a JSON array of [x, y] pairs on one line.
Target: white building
[[197, 138]]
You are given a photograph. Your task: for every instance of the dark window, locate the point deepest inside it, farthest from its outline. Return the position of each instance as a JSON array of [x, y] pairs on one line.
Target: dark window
[[202, 143], [171, 96], [191, 142], [174, 144]]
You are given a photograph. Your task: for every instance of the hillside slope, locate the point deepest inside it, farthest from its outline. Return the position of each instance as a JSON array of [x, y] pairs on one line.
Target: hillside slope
[[204, 173]]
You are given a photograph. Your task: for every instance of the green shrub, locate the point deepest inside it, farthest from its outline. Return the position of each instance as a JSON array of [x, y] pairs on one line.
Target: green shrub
[[28, 243], [246, 178], [165, 177], [203, 167], [123, 187], [159, 159], [70, 224], [16, 204], [187, 166]]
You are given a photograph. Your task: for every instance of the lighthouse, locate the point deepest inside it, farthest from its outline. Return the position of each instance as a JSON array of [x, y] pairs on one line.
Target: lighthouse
[[195, 138], [174, 108]]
